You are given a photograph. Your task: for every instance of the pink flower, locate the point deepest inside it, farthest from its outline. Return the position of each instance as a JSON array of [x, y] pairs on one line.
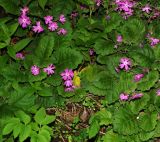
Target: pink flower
[[24, 11], [19, 56], [137, 96], [125, 64], [154, 41], [24, 21], [67, 74], [53, 26], [69, 89], [68, 83], [146, 9], [123, 97], [62, 32], [62, 19], [91, 52], [74, 14], [35, 70], [98, 2], [119, 38], [50, 69], [38, 28], [158, 92], [48, 19], [138, 77]]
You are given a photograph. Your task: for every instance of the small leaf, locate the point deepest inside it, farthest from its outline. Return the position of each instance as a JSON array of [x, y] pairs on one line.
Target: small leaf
[[25, 133], [94, 129], [40, 115], [8, 128], [17, 129], [48, 119]]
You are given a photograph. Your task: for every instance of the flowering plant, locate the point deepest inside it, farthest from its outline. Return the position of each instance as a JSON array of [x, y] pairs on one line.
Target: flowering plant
[[99, 56]]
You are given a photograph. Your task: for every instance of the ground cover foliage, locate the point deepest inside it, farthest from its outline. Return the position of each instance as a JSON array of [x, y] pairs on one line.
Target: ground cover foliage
[[79, 71]]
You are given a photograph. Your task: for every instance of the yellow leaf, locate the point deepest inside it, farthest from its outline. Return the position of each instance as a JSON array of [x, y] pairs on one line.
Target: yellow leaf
[[76, 79]]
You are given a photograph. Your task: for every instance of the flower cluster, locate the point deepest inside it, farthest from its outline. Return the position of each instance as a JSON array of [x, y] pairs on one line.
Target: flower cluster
[[125, 6], [35, 70], [23, 19], [67, 77], [125, 97]]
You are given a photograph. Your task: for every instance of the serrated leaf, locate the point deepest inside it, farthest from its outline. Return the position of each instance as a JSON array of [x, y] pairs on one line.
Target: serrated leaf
[[133, 31], [148, 121], [40, 115], [41, 138], [42, 3], [148, 81], [25, 133], [48, 119], [94, 129], [46, 91], [46, 134], [67, 58], [125, 122], [17, 129], [110, 136], [8, 128], [104, 47], [23, 116]]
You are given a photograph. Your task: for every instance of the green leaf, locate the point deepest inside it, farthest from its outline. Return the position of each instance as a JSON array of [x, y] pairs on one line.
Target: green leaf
[[8, 128], [17, 129], [42, 3], [12, 28], [140, 104], [148, 121], [67, 58], [40, 115], [148, 81], [41, 138], [46, 91], [110, 136], [23, 116], [44, 50], [93, 129], [104, 47], [25, 133], [46, 134], [48, 119], [10, 6], [125, 122], [133, 31]]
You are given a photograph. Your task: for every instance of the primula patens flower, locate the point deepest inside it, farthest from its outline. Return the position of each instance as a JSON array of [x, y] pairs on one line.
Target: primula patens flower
[[53, 26], [138, 77], [35, 70], [24, 21], [125, 64], [62, 19], [137, 96], [158, 92], [48, 19], [20, 55], [146, 9], [123, 97], [38, 28], [67, 74], [50, 69]]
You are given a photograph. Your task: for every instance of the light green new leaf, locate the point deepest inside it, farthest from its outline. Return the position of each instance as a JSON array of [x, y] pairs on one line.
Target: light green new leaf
[[23, 116], [40, 115], [25, 133], [93, 129]]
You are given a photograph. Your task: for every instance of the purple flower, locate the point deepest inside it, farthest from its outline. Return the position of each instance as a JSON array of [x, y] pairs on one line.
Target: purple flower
[[69, 89], [24, 11], [24, 21], [35, 70], [91, 52], [20, 55], [123, 97], [74, 14], [68, 83], [62, 19], [48, 19], [119, 38], [98, 2], [138, 77], [136, 96], [53, 26], [67, 74], [125, 64], [50, 69], [38, 28], [146, 9], [154, 41], [62, 32], [158, 92]]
